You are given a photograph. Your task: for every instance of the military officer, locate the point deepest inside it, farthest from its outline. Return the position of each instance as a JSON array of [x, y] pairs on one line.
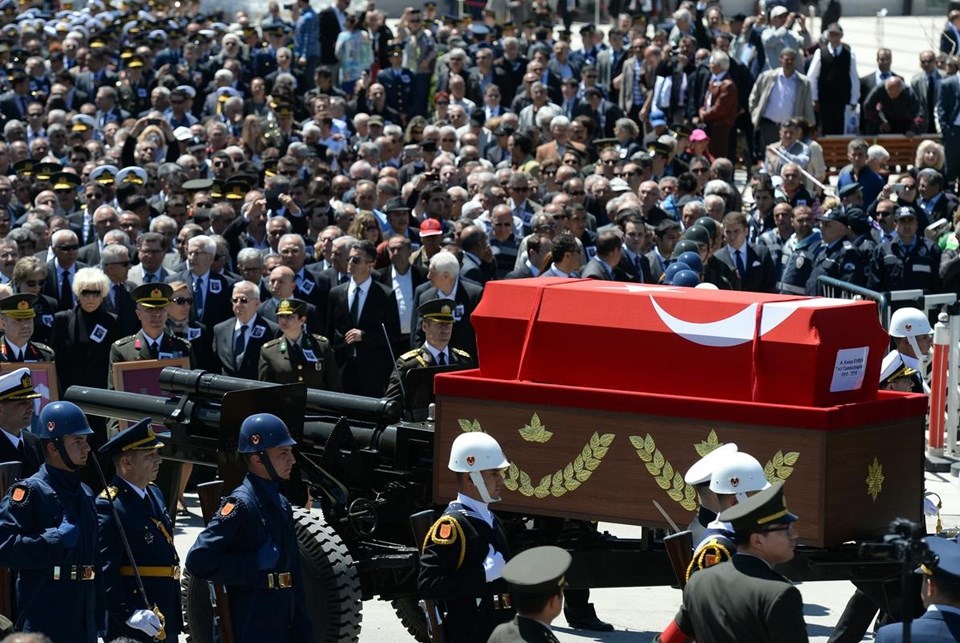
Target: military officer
[[536, 580], [298, 356], [140, 507], [466, 549], [251, 546], [153, 340], [907, 262], [438, 319], [18, 313], [48, 534], [836, 257], [765, 605], [397, 82], [16, 412]]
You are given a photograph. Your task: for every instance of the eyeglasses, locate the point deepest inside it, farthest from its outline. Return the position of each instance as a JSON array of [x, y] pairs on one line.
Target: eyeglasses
[[503, 225], [525, 189], [220, 164], [69, 248], [240, 300], [94, 195], [577, 193], [372, 226], [909, 186], [610, 162], [180, 301], [34, 283], [203, 204], [356, 259], [885, 213], [448, 140], [91, 293], [699, 170], [928, 61]]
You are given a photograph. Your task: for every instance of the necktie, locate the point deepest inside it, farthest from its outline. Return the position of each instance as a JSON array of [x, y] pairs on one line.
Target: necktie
[[240, 343], [344, 277], [441, 358], [198, 296], [148, 278], [116, 297], [66, 295], [638, 267], [931, 92], [155, 350], [741, 269], [355, 307]]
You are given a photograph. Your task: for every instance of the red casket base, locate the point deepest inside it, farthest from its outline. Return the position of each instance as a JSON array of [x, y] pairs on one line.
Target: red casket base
[[659, 339], [603, 394]]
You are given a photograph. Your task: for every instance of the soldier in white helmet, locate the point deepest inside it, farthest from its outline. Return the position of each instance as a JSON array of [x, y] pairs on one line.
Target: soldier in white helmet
[[912, 339], [738, 476], [466, 549], [699, 475]]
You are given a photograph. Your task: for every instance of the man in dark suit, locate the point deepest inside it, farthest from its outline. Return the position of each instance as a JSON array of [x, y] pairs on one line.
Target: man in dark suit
[[926, 86], [13, 104], [766, 606], [115, 263], [539, 250], [940, 594], [948, 115], [363, 325], [445, 283], [237, 341], [603, 112], [752, 262], [878, 75], [211, 291], [16, 410], [403, 278], [331, 22], [633, 261], [281, 284], [605, 264], [62, 268], [150, 255], [309, 287]]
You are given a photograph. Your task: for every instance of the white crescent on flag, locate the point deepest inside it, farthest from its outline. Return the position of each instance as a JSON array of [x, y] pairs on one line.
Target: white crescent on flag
[[731, 331]]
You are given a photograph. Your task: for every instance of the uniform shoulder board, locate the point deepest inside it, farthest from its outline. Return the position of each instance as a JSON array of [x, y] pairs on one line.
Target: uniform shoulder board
[[461, 353], [710, 553], [321, 339], [43, 348], [124, 340], [228, 507], [273, 342], [847, 244], [109, 493], [412, 354], [19, 493]]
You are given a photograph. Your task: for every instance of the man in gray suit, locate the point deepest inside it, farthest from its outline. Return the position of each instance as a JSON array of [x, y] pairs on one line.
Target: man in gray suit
[[926, 85], [948, 115], [768, 109], [150, 252]]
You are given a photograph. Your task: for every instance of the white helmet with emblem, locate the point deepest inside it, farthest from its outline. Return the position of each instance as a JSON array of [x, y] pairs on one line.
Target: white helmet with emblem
[[739, 473], [474, 452], [909, 322]]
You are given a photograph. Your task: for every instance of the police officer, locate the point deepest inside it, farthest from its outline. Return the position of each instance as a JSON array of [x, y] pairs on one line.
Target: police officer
[[18, 313], [466, 549], [298, 356], [153, 340], [250, 545], [397, 82], [907, 262], [438, 319], [140, 506], [48, 533], [536, 579], [836, 257]]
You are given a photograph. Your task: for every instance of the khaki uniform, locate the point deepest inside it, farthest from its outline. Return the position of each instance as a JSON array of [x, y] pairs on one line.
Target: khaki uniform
[[420, 358], [312, 363]]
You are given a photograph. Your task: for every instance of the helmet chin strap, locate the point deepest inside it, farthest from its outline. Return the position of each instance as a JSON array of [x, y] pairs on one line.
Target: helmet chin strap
[[63, 455], [477, 479], [268, 465]]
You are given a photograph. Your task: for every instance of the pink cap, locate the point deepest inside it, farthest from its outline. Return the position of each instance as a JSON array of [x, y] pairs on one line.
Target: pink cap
[[698, 135], [430, 227]]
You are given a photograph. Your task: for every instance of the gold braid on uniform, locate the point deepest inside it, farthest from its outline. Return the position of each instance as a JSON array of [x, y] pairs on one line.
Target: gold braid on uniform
[[711, 553], [445, 532]]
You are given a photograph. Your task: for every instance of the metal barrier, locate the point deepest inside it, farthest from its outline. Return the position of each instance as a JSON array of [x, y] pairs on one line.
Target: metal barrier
[[839, 289]]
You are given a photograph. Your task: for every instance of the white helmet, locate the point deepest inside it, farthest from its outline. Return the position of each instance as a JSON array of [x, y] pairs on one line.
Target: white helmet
[[739, 473], [909, 322], [475, 452], [702, 469]]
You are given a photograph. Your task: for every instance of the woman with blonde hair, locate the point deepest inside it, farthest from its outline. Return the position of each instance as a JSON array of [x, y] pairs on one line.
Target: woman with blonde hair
[[365, 226], [930, 154], [251, 139]]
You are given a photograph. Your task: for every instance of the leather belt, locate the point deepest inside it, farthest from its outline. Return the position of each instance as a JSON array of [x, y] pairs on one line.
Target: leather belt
[[163, 571], [490, 602], [74, 572], [279, 580]]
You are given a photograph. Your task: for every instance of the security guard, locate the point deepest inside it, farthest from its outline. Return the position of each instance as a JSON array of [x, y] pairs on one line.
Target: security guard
[[438, 318], [798, 265], [153, 340], [18, 313], [536, 580], [298, 356], [251, 545], [149, 530], [745, 600], [837, 257], [48, 533], [908, 262], [465, 552]]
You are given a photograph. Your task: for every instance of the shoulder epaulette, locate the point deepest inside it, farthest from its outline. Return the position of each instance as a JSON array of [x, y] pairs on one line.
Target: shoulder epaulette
[[461, 353], [410, 354], [124, 340], [273, 342], [710, 553], [109, 493], [447, 531]]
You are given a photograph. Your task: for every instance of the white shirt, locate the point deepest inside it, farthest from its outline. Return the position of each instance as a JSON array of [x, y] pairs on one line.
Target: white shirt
[[403, 289], [481, 509], [783, 98], [742, 251], [435, 352], [813, 73], [362, 290], [140, 492], [15, 440]]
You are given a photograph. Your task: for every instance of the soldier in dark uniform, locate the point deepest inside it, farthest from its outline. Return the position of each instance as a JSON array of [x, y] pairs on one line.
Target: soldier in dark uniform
[[536, 579], [16, 412], [149, 530], [18, 314], [251, 545], [765, 606], [465, 552], [862, 236], [438, 319], [298, 356], [48, 534], [908, 262], [837, 256], [397, 82], [263, 61], [153, 340], [799, 265]]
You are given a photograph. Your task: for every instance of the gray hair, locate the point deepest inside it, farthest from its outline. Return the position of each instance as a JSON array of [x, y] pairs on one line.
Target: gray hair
[[90, 278], [445, 263], [113, 253], [207, 244]]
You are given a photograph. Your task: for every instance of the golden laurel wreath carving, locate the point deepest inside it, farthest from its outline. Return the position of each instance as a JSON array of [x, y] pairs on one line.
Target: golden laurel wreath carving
[[663, 472], [712, 442], [781, 466], [875, 479]]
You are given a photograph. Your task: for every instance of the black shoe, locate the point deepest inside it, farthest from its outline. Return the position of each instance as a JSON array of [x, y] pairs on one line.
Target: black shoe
[[588, 621]]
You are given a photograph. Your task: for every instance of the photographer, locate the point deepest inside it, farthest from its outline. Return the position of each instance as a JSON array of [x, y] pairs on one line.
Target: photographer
[[779, 35]]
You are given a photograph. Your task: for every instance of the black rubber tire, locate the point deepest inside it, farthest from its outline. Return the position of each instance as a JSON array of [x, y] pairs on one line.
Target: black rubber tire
[[331, 582], [412, 617], [198, 615]]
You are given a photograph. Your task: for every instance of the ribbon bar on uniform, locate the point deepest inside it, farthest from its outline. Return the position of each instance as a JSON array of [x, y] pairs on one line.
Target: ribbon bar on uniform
[[74, 572], [279, 580]]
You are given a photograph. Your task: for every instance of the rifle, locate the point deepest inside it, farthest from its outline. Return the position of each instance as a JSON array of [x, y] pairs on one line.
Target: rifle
[[680, 551], [9, 472], [210, 494], [420, 524]]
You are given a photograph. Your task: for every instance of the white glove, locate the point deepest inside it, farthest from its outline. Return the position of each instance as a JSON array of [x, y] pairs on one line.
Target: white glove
[[493, 565], [145, 621]]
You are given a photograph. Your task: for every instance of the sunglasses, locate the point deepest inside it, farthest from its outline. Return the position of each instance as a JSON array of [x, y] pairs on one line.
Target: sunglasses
[[180, 301], [355, 260], [240, 300], [91, 293], [34, 283], [70, 248]]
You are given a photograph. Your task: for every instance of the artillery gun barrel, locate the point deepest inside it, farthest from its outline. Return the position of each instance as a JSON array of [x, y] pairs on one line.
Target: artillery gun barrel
[[357, 407]]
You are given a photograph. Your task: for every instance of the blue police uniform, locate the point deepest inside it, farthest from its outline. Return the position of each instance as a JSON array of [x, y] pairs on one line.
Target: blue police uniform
[[896, 266], [798, 265], [59, 588], [266, 604], [840, 260], [398, 88]]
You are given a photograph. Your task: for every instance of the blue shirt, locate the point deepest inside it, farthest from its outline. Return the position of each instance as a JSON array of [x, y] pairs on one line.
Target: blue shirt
[[306, 38]]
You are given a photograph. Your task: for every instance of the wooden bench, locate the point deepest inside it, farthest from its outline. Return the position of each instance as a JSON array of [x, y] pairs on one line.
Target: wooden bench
[[903, 150]]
